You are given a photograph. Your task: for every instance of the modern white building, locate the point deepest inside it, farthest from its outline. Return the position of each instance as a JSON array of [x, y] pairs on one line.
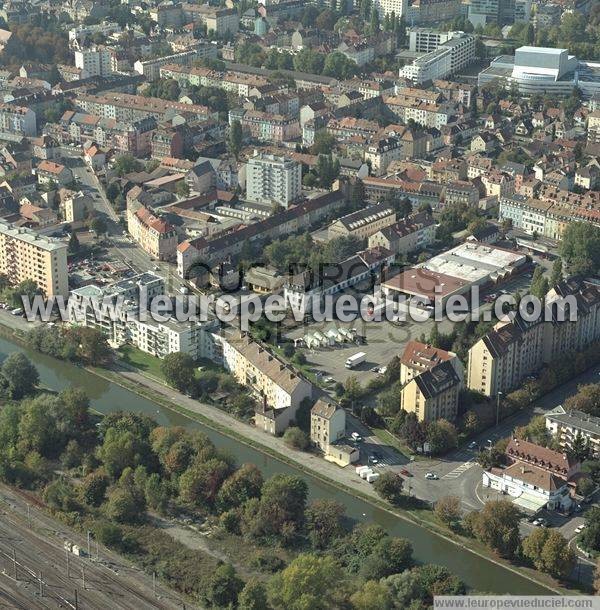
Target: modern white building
[[96, 61], [120, 311], [445, 54], [273, 180], [565, 426], [543, 70], [387, 7], [150, 68]]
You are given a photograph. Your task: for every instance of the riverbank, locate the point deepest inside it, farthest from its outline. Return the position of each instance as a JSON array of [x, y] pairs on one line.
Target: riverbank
[[243, 435]]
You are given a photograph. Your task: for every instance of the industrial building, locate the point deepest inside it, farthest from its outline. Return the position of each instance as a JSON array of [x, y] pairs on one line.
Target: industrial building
[[455, 272]]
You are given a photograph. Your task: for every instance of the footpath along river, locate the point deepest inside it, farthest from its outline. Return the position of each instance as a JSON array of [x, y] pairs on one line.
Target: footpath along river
[[105, 397]]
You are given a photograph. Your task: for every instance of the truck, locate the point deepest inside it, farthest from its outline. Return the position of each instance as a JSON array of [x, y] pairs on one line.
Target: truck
[[372, 477], [365, 473], [355, 360], [361, 469]]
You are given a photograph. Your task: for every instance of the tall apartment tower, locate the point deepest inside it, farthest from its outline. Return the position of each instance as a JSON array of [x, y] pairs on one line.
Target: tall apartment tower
[[25, 255], [273, 180]]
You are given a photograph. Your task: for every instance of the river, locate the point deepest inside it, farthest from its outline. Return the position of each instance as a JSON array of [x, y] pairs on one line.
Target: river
[[105, 397]]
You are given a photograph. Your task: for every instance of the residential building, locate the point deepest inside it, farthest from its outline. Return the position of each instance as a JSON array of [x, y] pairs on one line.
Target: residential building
[[132, 325], [502, 359], [17, 120], [566, 426], [49, 172], [26, 255], [387, 7], [278, 387], [219, 20], [420, 357], [150, 68], [363, 223], [156, 236], [537, 477], [76, 207], [448, 57], [273, 180], [433, 394], [421, 12], [406, 236], [96, 60], [267, 127], [327, 424]]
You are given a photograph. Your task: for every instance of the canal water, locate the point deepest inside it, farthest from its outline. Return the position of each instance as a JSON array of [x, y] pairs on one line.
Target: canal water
[[105, 397]]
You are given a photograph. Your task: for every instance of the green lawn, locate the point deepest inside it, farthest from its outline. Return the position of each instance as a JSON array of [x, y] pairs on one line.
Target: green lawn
[[385, 436], [140, 360]]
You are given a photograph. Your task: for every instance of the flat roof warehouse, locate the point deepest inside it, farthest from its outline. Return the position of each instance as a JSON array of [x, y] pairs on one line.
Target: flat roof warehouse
[[456, 271]]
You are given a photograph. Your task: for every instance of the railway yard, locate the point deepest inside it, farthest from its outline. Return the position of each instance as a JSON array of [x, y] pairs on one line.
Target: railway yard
[[37, 569]]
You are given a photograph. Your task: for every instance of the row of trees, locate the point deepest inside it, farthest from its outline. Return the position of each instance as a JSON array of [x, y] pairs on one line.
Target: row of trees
[[75, 343]]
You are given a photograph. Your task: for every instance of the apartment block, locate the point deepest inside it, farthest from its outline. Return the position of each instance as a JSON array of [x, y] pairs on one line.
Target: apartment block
[[433, 394], [405, 236], [363, 223], [96, 61], [218, 20], [565, 426], [25, 255], [273, 180], [420, 357], [18, 120], [278, 387], [267, 127], [327, 424], [501, 360], [156, 236], [150, 68]]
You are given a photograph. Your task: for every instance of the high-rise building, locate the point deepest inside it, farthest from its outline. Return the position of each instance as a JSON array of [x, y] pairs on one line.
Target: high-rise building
[[271, 179], [25, 255], [387, 7], [482, 12], [96, 61]]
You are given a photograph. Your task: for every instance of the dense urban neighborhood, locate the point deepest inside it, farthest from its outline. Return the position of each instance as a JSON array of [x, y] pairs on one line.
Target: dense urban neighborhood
[[299, 303]]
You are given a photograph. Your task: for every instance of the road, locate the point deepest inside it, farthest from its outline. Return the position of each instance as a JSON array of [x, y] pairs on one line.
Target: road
[[37, 572], [120, 246]]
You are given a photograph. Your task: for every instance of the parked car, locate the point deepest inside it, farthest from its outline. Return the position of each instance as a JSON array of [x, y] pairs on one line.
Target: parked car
[[580, 528], [406, 473], [473, 445], [432, 476]]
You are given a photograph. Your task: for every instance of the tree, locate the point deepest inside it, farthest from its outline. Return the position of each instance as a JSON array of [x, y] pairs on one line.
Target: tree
[[324, 522], [339, 66], [245, 483], [550, 552], [223, 587], [235, 139], [448, 510], [372, 596], [124, 506], [587, 399], [296, 438], [389, 487], [580, 247], [20, 374], [441, 436], [253, 596], [309, 581], [497, 526], [179, 370], [389, 556], [309, 61], [74, 245], [413, 432], [127, 164], [585, 486], [182, 189], [557, 272], [98, 225], [93, 488], [200, 483], [580, 447], [324, 143]]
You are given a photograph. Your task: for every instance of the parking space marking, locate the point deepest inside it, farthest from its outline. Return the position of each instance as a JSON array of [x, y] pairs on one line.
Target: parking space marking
[[459, 470]]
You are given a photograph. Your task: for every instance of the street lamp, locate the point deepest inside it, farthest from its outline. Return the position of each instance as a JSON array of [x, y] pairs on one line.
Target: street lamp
[[498, 407]]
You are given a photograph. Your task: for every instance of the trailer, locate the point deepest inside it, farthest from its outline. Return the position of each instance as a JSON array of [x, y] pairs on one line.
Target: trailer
[[361, 469], [365, 473], [355, 360], [372, 477]]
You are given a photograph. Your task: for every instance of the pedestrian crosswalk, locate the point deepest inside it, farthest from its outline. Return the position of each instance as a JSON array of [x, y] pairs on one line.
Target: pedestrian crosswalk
[[459, 470]]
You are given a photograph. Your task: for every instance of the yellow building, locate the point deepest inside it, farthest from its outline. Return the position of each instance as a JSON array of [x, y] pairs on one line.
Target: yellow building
[[433, 394], [502, 359], [156, 236], [25, 255]]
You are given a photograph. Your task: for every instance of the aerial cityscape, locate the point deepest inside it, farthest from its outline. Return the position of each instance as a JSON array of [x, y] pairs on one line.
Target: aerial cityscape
[[299, 304]]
